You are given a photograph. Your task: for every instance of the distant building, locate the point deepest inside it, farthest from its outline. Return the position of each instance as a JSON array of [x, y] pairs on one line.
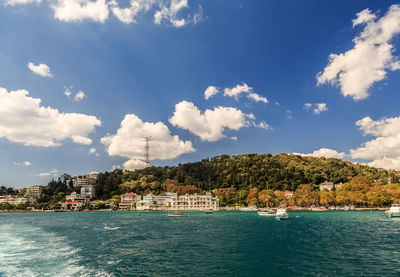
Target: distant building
[[128, 201], [326, 185], [34, 192], [74, 197], [338, 186], [21, 200], [288, 194], [192, 202], [144, 205], [88, 191], [160, 200], [10, 199], [71, 205]]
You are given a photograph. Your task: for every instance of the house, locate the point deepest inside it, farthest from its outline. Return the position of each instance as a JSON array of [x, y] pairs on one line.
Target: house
[[71, 205], [34, 192], [326, 185], [144, 205], [74, 197], [288, 194], [87, 191], [128, 200]]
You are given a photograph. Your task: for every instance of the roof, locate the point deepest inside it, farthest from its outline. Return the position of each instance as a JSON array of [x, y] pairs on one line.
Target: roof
[[129, 194], [144, 201], [288, 191]]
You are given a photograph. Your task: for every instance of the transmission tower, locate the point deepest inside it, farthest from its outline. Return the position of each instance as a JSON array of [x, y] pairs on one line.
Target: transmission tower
[[147, 151]]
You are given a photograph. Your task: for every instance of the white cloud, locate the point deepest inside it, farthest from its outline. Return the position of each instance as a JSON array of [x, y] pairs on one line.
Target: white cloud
[[210, 91], [356, 70], [324, 152], [92, 150], [237, 90], [41, 69], [256, 97], [114, 167], [244, 89], [208, 125], [129, 142], [234, 138], [24, 120], [318, 107], [52, 172], [25, 163], [198, 17], [20, 2], [170, 13], [79, 10], [384, 150], [127, 15], [263, 125], [79, 96]]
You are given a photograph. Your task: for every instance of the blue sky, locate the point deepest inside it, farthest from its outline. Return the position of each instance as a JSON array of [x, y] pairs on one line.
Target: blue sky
[[146, 64]]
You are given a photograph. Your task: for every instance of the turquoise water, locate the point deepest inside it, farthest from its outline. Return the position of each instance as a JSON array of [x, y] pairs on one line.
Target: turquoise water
[[219, 244]]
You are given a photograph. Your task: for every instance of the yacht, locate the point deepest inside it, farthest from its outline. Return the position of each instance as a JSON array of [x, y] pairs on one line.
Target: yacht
[[281, 214], [249, 209], [208, 211], [176, 214], [346, 208], [394, 210], [267, 212], [319, 209]]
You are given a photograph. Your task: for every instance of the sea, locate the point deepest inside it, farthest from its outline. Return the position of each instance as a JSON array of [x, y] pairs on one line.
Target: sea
[[225, 243]]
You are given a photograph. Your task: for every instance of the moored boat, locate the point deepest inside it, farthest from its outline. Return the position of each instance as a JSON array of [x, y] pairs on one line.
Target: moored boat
[[319, 209], [266, 212], [176, 214], [249, 209], [281, 213], [394, 210], [208, 211]]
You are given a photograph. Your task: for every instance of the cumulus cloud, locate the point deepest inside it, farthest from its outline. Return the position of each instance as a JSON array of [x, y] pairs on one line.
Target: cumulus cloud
[[210, 91], [384, 150], [368, 62], [79, 10], [170, 13], [317, 108], [24, 120], [129, 142], [41, 69], [127, 15], [263, 125], [25, 163], [67, 93], [20, 2], [210, 124], [238, 90], [324, 152], [79, 96]]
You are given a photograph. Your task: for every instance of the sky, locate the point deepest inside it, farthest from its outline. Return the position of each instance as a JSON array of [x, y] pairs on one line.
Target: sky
[[84, 82]]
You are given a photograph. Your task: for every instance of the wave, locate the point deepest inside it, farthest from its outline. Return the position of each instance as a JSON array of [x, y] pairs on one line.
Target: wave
[[30, 251], [111, 228]]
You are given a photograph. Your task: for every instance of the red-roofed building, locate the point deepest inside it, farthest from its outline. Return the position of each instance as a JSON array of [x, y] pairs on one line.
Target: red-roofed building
[[128, 200], [288, 194], [71, 205]]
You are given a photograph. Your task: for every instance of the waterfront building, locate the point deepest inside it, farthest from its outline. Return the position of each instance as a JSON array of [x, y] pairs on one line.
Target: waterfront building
[[326, 185], [71, 205], [21, 200], [87, 191], [144, 205], [74, 197], [160, 200], [149, 197], [128, 201], [192, 202], [10, 199]]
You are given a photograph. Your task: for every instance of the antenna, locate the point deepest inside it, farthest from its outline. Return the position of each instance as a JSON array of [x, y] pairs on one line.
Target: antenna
[[147, 151]]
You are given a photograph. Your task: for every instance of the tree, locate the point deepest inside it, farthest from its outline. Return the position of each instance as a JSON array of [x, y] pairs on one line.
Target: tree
[[252, 197], [327, 198], [305, 195]]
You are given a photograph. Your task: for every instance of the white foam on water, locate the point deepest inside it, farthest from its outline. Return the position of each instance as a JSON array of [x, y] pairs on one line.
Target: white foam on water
[[29, 251], [111, 228]]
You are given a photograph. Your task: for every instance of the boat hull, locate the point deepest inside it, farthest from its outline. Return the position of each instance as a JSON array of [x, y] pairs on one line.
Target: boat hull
[[266, 214]]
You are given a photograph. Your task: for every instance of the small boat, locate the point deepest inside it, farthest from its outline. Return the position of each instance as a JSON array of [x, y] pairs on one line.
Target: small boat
[[249, 209], [208, 211], [266, 212], [352, 208], [176, 214], [281, 214], [292, 209], [394, 210], [319, 209], [346, 208]]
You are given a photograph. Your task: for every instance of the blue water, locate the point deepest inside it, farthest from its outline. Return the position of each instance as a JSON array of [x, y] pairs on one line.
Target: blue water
[[219, 244]]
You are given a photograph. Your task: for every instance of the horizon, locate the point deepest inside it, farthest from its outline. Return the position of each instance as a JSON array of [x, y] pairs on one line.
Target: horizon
[[82, 86]]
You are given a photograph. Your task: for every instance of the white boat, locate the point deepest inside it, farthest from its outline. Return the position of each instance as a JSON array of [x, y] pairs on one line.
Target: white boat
[[352, 208], [281, 214], [394, 210], [249, 209], [175, 214], [346, 208], [267, 212], [319, 209], [208, 211]]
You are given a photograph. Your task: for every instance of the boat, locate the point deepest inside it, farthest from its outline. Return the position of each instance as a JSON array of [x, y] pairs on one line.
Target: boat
[[346, 208], [249, 209], [176, 214], [208, 211], [292, 209], [281, 213], [266, 212], [394, 210], [319, 209], [352, 208]]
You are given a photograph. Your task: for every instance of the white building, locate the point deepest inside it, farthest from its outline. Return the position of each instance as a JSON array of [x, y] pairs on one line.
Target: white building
[[326, 185], [87, 191], [144, 205], [128, 201], [34, 192], [74, 197], [192, 202]]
